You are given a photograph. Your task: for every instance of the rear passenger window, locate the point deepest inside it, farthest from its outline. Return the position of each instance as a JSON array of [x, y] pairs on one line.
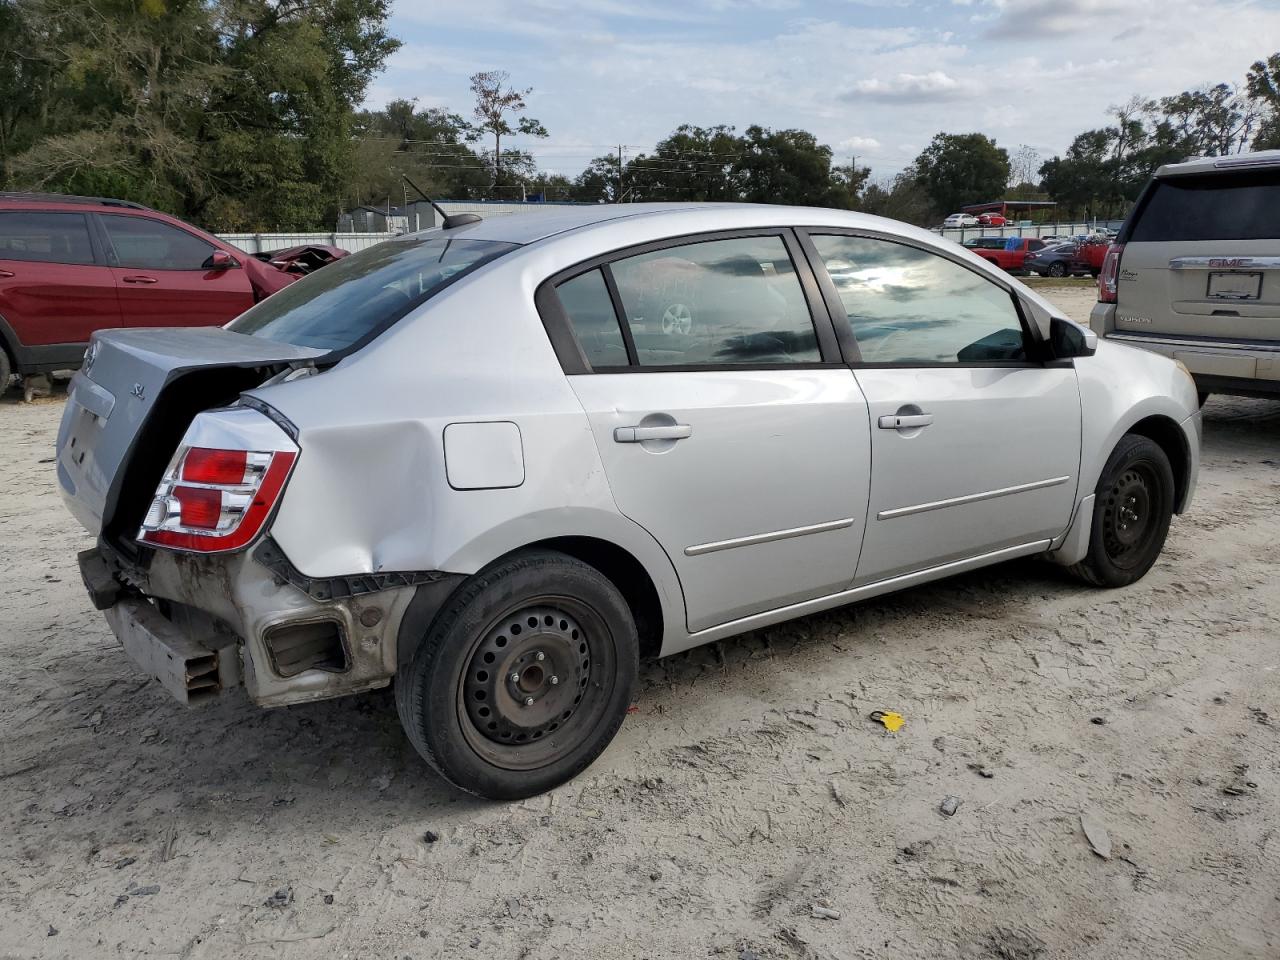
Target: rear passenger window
[[586, 301], [48, 237], [143, 244], [718, 302], [909, 306]]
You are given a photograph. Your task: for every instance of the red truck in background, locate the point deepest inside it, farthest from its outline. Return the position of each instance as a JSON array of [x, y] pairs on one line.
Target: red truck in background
[[1014, 253]]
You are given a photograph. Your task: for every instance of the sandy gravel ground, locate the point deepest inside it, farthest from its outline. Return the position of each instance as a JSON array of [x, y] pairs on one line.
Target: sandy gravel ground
[[748, 787]]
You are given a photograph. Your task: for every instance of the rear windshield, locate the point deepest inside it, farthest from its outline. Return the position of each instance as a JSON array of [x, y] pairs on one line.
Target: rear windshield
[[1233, 206], [360, 296]]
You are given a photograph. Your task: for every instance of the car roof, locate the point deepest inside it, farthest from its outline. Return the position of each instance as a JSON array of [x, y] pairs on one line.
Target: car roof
[[41, 201], [527, 228], [1212, 165]]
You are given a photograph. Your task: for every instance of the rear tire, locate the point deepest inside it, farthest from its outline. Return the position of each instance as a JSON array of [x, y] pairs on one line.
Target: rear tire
[[6, 371], [1132, 508], [524, 677]]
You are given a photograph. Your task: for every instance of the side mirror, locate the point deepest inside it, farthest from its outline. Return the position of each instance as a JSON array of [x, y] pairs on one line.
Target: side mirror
[[1066, 339], [220, 260]]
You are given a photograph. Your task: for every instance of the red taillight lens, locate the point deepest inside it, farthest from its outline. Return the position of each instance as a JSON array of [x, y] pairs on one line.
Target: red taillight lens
[[199, 507], [212, 501], [202, 465], [1109, 278]]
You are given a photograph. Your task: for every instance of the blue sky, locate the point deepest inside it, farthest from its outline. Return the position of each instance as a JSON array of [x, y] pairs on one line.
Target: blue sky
[[875, 78]]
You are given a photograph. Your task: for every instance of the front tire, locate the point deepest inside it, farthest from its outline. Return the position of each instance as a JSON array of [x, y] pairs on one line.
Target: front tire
[[524, 677], [1133, 504], [1057, 270], [6, 371]]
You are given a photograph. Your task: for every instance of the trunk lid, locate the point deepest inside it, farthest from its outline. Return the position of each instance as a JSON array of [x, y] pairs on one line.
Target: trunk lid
[[130, 403]]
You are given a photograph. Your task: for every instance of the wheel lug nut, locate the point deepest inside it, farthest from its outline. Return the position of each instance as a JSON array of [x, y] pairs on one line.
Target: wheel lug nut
[[539, 655], [528, 701], [515, 678], [554, 681]]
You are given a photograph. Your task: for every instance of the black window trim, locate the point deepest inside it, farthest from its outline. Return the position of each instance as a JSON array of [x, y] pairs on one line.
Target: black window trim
[[95, 247], [573, 360], [1042, 356], [113, 258]]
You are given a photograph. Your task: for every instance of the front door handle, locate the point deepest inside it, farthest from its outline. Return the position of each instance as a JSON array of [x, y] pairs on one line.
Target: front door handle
[[908, 421], [673, 431], [7, 274], [139, 279]]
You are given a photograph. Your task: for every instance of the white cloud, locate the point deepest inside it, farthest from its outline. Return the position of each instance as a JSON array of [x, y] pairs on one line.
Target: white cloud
[[909, 87], [858, 144]]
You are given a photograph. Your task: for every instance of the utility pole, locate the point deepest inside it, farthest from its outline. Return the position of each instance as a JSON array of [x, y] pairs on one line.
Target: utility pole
[[619, 173]]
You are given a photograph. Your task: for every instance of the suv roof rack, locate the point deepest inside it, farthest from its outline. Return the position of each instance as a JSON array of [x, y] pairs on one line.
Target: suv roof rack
[[68, 198]]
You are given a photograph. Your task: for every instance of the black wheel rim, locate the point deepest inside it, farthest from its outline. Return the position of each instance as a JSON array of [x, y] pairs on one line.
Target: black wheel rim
[[1131, 514], [538, 681]]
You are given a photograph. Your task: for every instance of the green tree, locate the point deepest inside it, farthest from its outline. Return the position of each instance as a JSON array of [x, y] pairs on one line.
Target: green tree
[[495, 101], [790, 166], [692, 163], [233, 113], [1263, 85], [962, 168]]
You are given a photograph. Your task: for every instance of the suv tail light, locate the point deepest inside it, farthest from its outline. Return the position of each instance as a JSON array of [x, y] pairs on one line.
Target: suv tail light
[[1109, 278], [213, 500]]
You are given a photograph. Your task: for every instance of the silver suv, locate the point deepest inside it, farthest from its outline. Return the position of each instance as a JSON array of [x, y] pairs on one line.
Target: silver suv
[[1195, 273], [496, 462]]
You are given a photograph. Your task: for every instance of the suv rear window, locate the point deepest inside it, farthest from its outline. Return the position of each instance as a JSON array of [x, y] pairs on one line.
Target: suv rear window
[[358, 297], [1230, 206]]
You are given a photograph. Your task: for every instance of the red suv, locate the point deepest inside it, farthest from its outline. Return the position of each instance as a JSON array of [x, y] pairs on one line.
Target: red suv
[[73, 265]]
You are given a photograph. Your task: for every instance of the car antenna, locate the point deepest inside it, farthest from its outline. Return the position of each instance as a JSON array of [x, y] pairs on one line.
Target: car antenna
[[446, 220]]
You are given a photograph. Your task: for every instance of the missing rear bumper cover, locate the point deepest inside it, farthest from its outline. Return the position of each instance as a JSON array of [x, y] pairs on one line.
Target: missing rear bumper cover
[[272, 557]]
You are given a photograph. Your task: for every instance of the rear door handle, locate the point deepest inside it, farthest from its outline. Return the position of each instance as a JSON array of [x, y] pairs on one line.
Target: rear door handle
[[896, 421], [139, 279], [674, 431], [6, 274]]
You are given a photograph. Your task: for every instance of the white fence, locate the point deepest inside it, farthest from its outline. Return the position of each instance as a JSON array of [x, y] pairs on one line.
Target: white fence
[[1072, 229], [260, 242]]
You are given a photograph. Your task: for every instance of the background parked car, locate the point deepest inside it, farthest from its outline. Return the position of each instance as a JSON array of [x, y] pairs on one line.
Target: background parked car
[[984, 243], [1195, 273], [1058, 259], [960, 220], [1012, 253], [73, 265], [992, 219], [302, 259]]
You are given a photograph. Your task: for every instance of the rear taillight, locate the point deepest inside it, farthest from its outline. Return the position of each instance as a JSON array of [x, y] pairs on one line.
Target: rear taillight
[[214, 500], [1109, 278]]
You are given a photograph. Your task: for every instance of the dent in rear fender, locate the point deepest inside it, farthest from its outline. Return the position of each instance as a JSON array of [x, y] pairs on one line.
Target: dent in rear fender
[[1120, 386]]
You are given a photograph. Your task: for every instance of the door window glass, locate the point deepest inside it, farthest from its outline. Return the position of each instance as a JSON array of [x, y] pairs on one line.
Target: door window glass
[[143, 244], [907, 305], [50, 237], [717, 302], [586, 301]]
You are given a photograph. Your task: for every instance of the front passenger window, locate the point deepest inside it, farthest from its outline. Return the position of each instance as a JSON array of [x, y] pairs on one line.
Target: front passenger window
[[909, 306]]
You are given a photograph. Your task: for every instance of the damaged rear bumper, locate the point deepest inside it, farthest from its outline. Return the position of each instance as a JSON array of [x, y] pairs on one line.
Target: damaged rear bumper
[[201, 625]]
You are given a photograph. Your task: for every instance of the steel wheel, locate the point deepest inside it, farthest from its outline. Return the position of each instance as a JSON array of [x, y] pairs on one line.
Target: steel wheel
[[1129, 510], [1133, 503], [522, 678], [528, 688]]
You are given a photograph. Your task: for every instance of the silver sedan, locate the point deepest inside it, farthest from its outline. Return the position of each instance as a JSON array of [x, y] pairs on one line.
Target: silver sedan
[[496, 463]]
